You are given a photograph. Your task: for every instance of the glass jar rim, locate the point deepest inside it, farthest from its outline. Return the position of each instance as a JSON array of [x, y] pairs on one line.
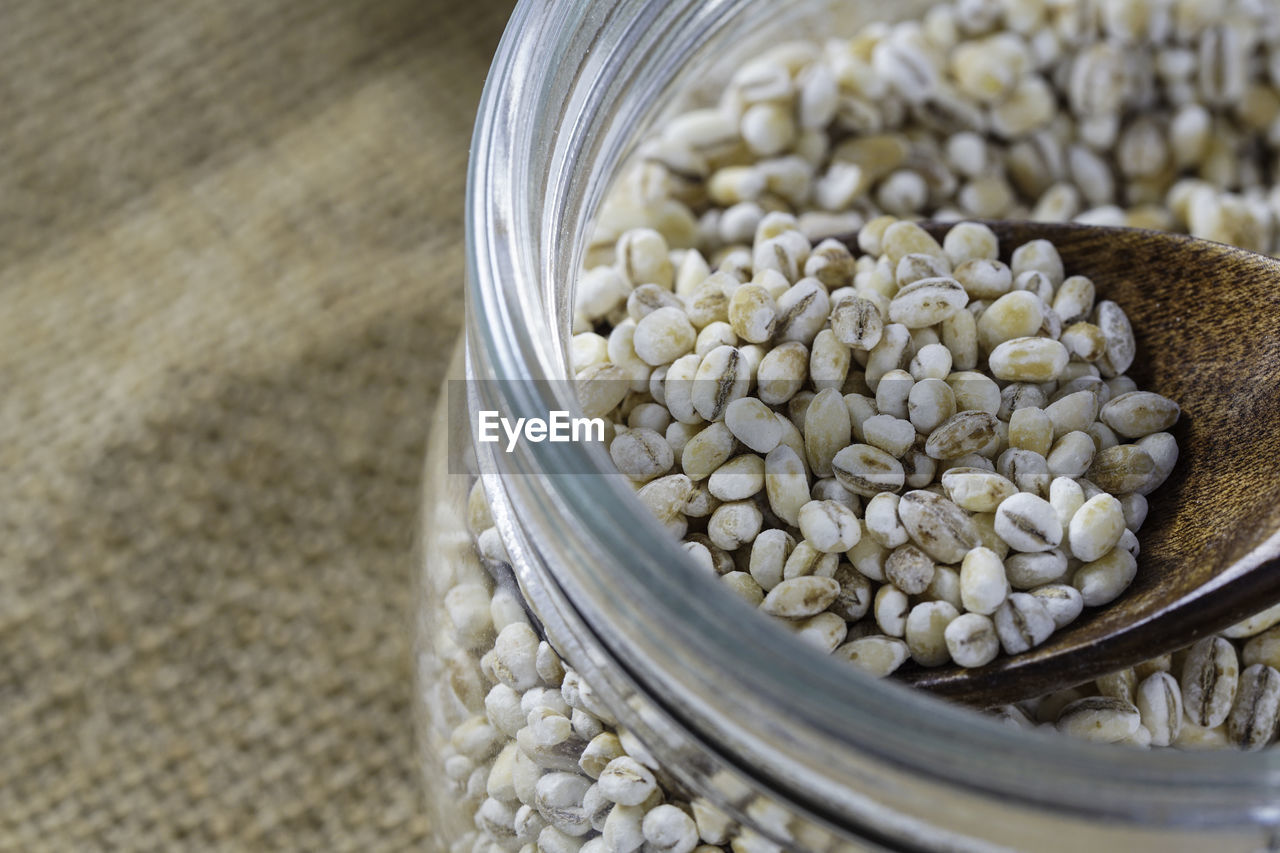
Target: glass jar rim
[[523, 198]]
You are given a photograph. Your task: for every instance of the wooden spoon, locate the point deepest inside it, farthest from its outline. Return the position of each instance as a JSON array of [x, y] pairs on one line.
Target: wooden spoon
[[1206, 318]]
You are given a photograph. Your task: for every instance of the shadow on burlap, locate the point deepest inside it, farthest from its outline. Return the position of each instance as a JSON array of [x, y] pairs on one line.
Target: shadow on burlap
[[230, 275]]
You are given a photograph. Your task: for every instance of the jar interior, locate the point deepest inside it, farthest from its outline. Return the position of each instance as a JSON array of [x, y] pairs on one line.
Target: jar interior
[[673, 635]]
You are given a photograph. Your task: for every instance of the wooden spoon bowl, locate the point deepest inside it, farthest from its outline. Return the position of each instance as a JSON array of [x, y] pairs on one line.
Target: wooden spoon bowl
[[1206, 318]]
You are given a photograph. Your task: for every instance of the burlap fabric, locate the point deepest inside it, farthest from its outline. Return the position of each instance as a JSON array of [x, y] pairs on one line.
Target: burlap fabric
[[230, 272]]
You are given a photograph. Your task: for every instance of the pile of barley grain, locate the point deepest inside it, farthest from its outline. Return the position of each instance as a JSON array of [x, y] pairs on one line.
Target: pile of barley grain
[[1156, 113]]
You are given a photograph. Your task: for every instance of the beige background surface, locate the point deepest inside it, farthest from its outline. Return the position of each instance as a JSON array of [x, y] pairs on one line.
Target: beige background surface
[[230, 269]]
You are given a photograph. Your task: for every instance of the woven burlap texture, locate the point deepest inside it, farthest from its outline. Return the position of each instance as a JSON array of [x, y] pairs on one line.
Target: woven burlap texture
[[230, 274]]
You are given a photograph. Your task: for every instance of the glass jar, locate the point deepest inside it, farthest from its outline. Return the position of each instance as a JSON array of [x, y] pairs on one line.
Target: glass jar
[[774, 745]]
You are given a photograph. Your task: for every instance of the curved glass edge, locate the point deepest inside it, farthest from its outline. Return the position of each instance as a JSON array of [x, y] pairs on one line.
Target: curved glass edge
[[448, 685]]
